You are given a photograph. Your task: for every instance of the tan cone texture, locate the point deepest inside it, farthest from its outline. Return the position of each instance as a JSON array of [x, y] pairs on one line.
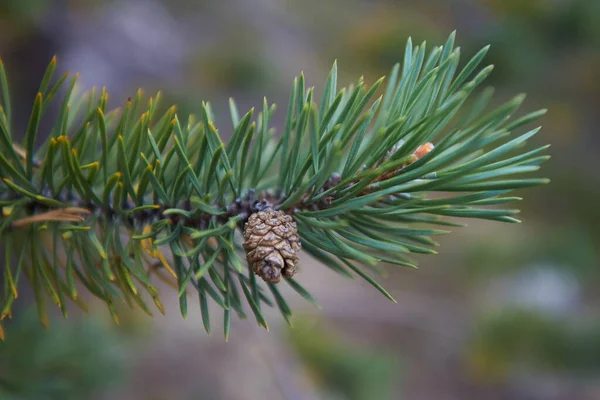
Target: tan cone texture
[[271, 243]]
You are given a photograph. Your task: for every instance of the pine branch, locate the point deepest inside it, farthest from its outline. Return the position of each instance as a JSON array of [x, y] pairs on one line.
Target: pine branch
[[114, 200]]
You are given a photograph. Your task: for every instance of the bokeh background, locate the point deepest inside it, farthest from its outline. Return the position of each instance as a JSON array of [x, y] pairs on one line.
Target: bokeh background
[[503, 312]]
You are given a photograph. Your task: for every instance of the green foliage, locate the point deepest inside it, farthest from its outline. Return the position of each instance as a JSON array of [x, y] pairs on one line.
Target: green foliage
[[566, 248], [115, 197], [530, 339], [73, 361], [342, 368]]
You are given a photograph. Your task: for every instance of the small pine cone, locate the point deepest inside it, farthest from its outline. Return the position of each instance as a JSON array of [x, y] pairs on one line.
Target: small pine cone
[[271, 243]]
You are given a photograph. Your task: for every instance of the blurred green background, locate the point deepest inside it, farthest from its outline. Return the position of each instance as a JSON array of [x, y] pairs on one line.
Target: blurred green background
[[503, 312]]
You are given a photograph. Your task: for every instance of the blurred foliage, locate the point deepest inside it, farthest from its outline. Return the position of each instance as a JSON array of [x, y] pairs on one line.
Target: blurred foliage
[[23, 11], [566, 247], [570, 22], [229, 64], [341, 367], [536, 42], [227, 71], [517, 338], [375, 42], [552, 47], [73, 360]]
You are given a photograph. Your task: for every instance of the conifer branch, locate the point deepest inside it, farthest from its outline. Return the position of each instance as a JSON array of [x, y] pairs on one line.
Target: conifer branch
[[114, 199]]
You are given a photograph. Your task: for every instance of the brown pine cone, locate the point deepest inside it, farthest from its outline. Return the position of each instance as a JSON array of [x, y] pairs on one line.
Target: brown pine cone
[[271, 243]]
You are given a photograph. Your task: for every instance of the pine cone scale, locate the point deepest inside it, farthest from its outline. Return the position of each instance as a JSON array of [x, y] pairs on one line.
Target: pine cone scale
[[271, 243]]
